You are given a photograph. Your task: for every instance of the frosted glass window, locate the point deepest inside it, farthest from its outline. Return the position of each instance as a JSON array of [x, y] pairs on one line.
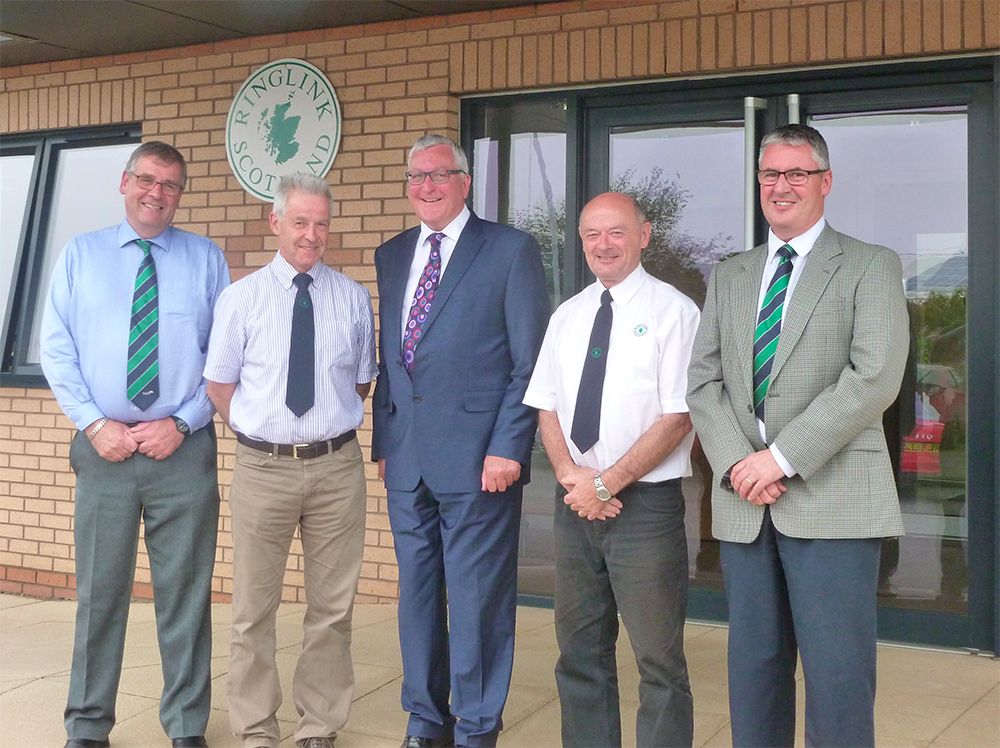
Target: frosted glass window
[[15, 181], [85, 198]]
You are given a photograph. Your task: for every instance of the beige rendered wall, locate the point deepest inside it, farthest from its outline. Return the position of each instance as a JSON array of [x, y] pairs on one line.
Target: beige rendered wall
[[395, 81]]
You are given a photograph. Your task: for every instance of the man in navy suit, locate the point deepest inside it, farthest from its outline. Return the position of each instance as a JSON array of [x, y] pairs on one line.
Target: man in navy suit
[[463, 307]]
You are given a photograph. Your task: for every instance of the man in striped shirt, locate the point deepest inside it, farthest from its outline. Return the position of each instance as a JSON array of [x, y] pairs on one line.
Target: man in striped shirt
[[291, 359]]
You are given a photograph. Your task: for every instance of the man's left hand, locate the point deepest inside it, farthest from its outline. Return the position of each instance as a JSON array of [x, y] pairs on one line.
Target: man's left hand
[[499, 473], [753, 475], [157, 439]]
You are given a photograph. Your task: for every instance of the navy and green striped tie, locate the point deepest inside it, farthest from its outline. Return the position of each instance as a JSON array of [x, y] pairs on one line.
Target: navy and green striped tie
[[765, 339], [143, 377]]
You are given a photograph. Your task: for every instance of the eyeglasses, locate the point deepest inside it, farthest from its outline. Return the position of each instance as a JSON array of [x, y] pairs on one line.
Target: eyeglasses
[[795, 177], [438, 176], [170, 189]]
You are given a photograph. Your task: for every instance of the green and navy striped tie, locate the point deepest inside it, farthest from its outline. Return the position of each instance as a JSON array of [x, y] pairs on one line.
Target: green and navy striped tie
[[143, 365], [765, 339]]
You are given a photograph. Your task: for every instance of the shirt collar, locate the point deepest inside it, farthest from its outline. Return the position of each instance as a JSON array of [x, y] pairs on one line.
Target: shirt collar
[[453, 230], [802, 244], [284, 271], [622, 293], [127, 234]]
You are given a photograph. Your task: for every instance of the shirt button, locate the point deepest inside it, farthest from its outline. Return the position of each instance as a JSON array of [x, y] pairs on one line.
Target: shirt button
[[416, 398]]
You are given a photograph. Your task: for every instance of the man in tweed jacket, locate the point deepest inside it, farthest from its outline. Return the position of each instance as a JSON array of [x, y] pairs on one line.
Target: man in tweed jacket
[[803, 490]]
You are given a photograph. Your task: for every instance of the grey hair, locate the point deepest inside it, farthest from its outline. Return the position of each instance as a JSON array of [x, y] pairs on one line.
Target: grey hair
[[798, 135], [299, 182], [432, 139], [159, 150]]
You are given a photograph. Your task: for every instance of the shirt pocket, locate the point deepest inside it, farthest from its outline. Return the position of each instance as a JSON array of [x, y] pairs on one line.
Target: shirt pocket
[[336, 344]]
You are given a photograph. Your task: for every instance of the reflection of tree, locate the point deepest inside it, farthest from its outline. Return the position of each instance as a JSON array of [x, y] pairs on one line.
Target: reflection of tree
[[939, 323], [546, 221], [672, 255]]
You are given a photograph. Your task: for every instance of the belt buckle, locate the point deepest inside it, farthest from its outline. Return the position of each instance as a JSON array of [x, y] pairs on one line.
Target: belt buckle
[[295, 450]]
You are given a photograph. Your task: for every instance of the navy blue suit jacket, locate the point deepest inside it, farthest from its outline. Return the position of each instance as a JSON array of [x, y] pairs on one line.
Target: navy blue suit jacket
[[475, 357]]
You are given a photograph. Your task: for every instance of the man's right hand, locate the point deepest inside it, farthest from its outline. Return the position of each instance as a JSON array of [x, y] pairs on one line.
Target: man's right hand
[[114, 441], [381, 470]]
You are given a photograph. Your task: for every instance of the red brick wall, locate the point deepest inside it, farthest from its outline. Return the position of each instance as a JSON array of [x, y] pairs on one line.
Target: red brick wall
[[395, 81]]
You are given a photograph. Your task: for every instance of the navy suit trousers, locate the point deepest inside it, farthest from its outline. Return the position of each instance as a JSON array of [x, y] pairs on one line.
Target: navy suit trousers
[[457, 556]]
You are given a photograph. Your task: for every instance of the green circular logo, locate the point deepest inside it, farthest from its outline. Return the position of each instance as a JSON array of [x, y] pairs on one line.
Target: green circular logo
[[596, 353], [640, 330], [284, 119]]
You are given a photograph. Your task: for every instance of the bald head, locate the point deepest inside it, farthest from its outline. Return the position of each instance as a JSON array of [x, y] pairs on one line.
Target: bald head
[[614, 231]]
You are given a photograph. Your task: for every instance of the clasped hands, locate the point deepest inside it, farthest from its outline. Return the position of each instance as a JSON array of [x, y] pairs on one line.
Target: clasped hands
[[758, 478], [582, 496], [157, 439]]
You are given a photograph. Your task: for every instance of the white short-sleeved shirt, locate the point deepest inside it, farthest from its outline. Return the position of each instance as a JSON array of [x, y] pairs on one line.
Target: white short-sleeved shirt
[[250, 343], [652, 332]]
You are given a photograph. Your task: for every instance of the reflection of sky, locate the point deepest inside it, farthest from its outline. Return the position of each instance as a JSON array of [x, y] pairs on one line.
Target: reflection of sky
[[528, 173], [708, 163], [900, 180]]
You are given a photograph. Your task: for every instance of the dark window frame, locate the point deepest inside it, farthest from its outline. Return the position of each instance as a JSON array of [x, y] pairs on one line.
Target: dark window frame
[[25, 293]]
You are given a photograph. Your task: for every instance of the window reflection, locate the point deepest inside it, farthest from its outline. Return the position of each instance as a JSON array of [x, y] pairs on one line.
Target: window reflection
[[916, 202], [689, 180], [85, 198], [519, 178], [15, 181]]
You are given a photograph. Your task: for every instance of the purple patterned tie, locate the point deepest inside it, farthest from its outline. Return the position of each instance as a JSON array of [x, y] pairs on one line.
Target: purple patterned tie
[[420, 307]]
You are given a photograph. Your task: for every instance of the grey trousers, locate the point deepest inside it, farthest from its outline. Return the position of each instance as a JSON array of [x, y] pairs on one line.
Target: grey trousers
[[810, 597], [634, 564], [177, 500]]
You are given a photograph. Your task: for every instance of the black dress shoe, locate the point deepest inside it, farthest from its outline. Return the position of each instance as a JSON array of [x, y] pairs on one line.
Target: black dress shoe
[[194, 741], [415, 741], [87, 743]]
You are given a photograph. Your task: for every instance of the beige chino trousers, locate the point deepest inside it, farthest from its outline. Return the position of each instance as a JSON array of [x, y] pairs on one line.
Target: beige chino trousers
[[270, 497]]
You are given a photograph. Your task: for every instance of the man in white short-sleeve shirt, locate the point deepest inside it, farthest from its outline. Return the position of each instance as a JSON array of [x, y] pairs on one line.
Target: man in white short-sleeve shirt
[[619, 439], [291, 359]]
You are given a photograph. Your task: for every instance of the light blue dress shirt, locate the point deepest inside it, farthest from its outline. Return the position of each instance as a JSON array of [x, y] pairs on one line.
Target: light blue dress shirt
[[88, 315]]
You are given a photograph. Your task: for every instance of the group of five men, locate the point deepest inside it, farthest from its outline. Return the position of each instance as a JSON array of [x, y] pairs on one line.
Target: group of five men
[[792, 361]]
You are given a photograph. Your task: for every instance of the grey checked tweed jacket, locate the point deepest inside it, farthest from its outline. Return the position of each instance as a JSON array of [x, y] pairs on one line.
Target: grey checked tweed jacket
[[838, 366]]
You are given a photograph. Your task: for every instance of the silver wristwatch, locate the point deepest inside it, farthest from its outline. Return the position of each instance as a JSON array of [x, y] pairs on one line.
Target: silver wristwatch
[[602, 493]]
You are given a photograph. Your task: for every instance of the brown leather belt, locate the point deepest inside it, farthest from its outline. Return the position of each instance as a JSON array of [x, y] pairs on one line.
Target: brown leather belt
[[299, 451]]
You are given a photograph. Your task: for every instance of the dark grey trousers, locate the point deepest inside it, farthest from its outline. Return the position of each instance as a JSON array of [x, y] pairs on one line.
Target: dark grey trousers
[[634, 564]]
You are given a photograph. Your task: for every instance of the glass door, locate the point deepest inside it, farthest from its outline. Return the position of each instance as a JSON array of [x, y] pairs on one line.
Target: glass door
[[686, 166], [916, 202], [915, 167]]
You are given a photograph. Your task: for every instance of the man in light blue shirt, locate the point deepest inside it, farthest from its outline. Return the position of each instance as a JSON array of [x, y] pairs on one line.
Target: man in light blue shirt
[[124, 340]]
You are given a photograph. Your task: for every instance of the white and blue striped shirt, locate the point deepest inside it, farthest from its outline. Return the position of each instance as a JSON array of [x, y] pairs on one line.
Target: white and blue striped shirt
[[250, 342]]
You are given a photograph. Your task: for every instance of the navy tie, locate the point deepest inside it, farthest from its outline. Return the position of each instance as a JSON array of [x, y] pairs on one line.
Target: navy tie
[[587, 414], [300, 393]]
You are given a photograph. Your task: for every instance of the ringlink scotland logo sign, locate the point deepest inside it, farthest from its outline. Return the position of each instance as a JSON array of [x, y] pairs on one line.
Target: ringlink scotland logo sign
[[284, 119]]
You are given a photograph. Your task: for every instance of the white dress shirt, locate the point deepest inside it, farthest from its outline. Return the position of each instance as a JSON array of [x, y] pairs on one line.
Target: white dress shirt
[[250, 343], [652, 331], [802, 245], [423, 252]]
